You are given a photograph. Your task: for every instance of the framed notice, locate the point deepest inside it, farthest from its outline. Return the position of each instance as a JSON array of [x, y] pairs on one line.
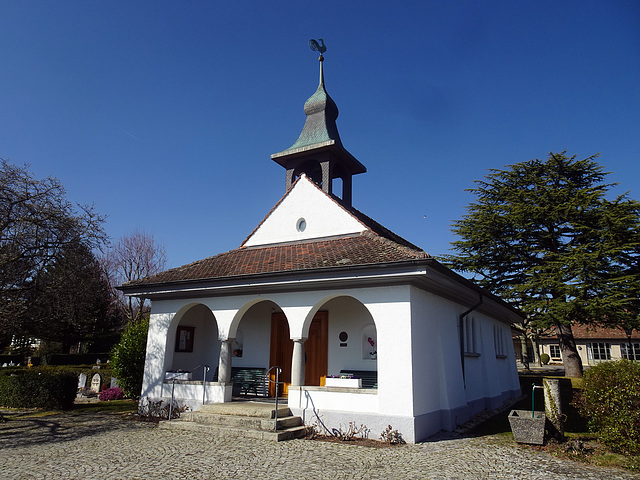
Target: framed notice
[[184, 339]]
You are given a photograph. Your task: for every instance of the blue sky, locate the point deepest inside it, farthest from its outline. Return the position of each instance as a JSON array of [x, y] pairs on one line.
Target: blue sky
[[164, 114]]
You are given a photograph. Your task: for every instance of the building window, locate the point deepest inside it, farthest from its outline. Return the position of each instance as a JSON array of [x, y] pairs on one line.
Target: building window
[[554, 352], [184, 339], [499, 342], [471, 337], [599, 351], [632, 353]]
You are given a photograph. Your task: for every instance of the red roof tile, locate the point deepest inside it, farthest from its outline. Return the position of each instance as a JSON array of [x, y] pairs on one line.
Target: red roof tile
[[366, 248]]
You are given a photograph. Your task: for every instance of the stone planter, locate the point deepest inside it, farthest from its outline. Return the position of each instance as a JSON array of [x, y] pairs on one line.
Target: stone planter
[[527, 428], [343, 382]]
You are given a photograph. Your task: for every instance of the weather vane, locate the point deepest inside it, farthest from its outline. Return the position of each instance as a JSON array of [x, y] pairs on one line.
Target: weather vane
[[318, 47]]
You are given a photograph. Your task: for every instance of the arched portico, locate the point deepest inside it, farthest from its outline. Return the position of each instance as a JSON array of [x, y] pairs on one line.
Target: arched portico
[[192, 340]]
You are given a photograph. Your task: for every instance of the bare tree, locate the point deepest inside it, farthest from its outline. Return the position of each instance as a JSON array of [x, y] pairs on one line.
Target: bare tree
[[37, 223], [134, 257]]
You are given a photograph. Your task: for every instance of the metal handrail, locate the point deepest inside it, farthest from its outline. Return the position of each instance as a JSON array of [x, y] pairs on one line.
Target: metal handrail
[[204, 390], [277, 382]]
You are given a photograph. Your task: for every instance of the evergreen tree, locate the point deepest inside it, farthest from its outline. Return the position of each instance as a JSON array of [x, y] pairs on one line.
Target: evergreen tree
[[543, 236], [72, 301]]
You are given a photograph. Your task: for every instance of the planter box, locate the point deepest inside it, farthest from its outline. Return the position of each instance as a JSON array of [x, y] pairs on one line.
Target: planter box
[[527, 428], [343, 382], [177, 376]]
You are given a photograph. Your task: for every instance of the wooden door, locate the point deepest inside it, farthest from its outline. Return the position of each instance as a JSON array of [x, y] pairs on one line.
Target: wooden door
[[316, 349], [281, 353]]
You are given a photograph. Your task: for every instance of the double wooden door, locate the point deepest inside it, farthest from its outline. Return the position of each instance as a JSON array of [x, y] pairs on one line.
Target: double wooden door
[[282, 351]]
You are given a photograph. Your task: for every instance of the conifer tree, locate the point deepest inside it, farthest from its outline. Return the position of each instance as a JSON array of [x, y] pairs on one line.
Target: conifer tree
[[544, 236]]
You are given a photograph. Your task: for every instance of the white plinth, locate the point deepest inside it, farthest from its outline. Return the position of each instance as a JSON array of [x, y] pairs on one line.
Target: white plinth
[[177, 376], [343, 382]]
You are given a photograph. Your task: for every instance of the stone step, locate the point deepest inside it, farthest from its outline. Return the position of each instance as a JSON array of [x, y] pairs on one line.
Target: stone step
[[212, 429], [237, 421], [246, 409]]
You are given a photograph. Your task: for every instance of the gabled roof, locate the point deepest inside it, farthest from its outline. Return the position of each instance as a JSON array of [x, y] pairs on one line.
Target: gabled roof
[[362, 221], [364, 242], [366, 248]]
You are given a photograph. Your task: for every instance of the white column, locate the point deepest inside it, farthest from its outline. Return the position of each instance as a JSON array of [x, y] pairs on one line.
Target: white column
[[224, 366], [298, 362]]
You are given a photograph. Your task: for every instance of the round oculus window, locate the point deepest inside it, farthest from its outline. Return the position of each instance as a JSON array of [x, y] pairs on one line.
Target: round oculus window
[[301, 225]]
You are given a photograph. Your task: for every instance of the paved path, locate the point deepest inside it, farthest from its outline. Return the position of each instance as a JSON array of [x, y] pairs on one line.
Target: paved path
[[84, 446]]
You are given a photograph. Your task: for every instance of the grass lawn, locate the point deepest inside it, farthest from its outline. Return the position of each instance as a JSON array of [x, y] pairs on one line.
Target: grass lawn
[[579, 445]]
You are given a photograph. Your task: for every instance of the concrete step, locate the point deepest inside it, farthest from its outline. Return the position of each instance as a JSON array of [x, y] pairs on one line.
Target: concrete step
[[237, 421], [212, 429], [246, 419], [246, 409]]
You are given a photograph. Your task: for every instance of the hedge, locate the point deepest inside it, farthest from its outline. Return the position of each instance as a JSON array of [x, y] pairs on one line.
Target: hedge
[[610, 399], [38, 389]]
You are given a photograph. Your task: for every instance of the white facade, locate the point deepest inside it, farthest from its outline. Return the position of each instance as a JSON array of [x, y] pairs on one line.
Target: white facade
[[406, 320]]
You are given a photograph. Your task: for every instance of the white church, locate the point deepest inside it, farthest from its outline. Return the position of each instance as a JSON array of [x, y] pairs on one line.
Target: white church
[[363, 326]]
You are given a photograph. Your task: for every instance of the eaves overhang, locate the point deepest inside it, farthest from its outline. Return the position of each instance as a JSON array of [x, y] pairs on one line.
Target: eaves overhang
[[293, 280], [427, 274], [351, 163]]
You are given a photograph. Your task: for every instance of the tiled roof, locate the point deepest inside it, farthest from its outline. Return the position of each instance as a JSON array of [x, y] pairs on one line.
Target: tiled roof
[[366, 248], [594, 332], [585, 331]]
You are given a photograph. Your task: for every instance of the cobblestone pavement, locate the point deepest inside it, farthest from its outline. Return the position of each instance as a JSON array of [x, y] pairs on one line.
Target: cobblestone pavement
[[102, 446]]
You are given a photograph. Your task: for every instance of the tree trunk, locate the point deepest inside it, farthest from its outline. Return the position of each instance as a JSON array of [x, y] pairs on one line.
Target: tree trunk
[[553, 407], [524, 350], [570, 356], [536, 350]]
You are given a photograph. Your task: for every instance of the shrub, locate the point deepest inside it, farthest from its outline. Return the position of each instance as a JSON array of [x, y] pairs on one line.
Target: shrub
[[389, 435], [33, 389], [610, 399], [114, 393], [128, 356], [545, 358]]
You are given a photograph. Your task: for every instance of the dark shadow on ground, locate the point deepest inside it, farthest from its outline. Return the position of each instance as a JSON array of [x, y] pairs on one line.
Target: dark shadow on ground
[[20, 428]]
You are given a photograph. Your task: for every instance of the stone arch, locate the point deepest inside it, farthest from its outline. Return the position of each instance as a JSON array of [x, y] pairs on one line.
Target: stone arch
[[192, 340], [321, 303], [253, 319], [239, 315], [350, 324], [311, 168]]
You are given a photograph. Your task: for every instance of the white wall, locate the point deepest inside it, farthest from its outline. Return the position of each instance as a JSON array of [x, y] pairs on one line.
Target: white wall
[[322, 215], [436, 360], [350, 316], [255, 330], [418, 360]]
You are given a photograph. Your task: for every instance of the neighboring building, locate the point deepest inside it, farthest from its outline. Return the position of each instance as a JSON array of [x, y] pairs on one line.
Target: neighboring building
[[318, 288], [595, 345]]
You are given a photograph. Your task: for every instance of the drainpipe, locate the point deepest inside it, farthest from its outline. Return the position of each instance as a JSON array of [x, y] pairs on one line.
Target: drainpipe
[[461, 330]]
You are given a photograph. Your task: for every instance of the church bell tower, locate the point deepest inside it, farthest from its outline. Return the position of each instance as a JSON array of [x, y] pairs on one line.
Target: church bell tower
[[318, 152]]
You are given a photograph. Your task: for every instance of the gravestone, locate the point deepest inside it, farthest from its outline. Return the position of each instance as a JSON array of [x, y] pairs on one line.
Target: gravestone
[[114, 382], [96, 381], [82, 381]]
